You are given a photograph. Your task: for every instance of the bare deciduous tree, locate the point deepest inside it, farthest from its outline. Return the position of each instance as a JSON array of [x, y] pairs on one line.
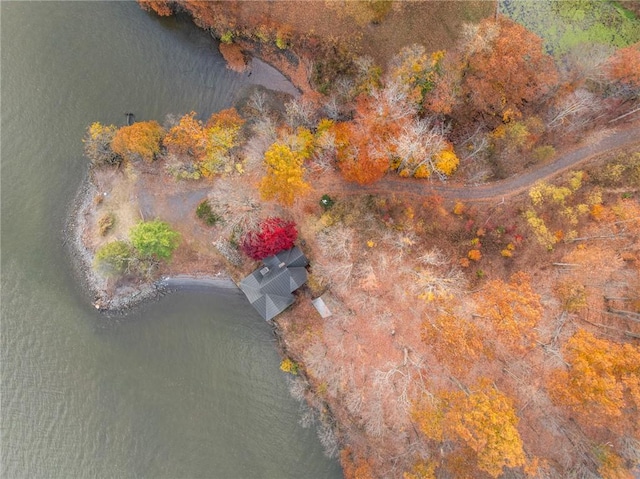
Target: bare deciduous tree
[[575, 111], [300, 112], [258, 103]]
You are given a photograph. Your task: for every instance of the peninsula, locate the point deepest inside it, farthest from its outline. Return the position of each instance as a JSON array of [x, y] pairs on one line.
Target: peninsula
[[469, 209]]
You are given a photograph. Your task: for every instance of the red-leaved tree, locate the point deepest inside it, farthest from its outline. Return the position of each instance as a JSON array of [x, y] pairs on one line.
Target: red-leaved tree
[[273, 235]]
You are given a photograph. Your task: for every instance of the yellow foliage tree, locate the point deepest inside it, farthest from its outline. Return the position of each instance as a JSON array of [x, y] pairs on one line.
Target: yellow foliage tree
[[602, 383], [447, 162], [484, 421], [97, 144], [284, 180], [222, 133], [304, 142], [513, 310], [421, 470], [138, 141], [206, 144], [416, 70]]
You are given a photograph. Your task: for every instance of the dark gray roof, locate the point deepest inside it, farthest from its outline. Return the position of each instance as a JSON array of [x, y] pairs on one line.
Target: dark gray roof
[[269, 289], [293, 257]]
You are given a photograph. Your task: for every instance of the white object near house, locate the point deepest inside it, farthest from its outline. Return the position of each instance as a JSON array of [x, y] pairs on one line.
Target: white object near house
[[321, 307]]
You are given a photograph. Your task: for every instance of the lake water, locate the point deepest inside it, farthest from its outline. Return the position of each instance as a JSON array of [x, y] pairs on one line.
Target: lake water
[[186, 387]]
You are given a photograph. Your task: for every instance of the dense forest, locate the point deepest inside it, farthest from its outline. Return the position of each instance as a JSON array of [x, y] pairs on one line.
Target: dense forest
[[491, 337]]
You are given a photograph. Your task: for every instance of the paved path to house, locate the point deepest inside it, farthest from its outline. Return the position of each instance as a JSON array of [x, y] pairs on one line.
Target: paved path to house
[[607, 141]]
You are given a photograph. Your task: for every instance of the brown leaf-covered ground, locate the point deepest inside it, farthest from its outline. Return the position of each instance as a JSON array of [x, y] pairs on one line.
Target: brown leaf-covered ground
[[377, 255]]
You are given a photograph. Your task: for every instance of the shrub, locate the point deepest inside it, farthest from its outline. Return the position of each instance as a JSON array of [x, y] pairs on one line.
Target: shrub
[[326, 202], [474, 255], [274, 235], [227, 37], [206, 214], [154, 239], [106, 223], [544, 153], [289, 366], [114, 258]]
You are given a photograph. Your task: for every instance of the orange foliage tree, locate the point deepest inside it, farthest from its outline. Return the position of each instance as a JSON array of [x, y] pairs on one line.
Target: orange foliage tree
[[355, 468], [363, 146], [387, 134], [187, 138], [138, 141], [602, 384], [512, 309], [502, 66], [454, 341], [206, 144], [624, 66], [421, 470], [163, 8], [481, 424], [357, 161]]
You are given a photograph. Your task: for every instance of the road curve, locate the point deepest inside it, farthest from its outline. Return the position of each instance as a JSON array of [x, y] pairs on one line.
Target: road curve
[[614, 140]]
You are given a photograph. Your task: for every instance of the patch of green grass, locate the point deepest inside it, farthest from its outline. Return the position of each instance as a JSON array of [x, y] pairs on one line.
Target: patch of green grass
[[628, 14], [565, 24]]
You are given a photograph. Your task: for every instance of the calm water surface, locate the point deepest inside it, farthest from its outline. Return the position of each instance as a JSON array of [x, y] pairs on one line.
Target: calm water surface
[[187, 387]]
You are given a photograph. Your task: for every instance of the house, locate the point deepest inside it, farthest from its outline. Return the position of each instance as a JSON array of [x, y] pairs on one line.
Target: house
[[270, 288]]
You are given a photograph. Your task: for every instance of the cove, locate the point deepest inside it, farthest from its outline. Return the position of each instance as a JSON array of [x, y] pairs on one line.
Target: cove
[[188, 386]]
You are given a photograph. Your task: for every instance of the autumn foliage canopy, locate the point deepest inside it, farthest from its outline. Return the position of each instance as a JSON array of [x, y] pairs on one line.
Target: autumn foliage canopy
[[501, 66], [273, 235], [624, 66], [480, 426], [284, 180], [602, 384], [138, 141], [209, 144]]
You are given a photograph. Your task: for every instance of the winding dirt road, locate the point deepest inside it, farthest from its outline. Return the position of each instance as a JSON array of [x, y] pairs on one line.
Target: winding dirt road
[[610, 140]]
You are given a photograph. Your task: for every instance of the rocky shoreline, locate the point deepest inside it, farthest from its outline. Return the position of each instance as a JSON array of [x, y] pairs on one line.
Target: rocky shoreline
[[117, 300]]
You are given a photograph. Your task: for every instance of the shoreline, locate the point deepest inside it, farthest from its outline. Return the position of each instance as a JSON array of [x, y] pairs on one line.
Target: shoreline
[[133, 294]]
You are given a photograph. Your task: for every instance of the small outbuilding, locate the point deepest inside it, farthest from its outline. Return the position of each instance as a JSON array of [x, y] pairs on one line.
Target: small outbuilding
[[270, 288], [321, 307]]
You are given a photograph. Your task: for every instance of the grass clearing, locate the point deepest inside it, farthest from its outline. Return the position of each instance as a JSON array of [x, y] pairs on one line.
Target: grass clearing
[[567, 24]]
